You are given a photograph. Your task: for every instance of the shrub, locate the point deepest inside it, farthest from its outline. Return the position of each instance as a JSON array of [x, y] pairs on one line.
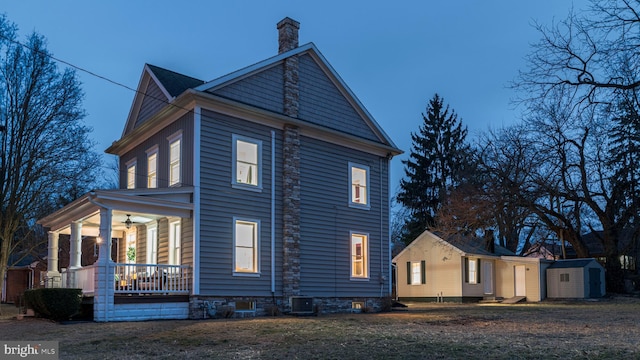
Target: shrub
[[54, 303], [386, 304]]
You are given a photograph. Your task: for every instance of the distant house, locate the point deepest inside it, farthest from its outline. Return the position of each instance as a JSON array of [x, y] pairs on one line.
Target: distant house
[[576, 278], [463, 269], [265, 187]]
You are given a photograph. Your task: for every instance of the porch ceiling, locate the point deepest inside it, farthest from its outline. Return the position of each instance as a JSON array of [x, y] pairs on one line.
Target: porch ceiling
[[142, 205]]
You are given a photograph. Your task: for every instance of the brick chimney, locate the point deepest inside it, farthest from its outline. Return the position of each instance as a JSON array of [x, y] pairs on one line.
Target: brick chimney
[[287, 34]]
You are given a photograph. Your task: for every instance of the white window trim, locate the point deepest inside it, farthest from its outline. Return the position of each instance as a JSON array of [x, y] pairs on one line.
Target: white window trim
[[152, 226], [473, 274], [416, 280], [132, 164], [352, 204], [131, 236], [257, 248], [366, 255], [234, 163], [177, 136], [152, 151], [172, 242]]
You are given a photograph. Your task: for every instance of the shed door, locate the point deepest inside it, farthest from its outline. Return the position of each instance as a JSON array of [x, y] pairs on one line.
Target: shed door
[[594, 283], [519, 275]]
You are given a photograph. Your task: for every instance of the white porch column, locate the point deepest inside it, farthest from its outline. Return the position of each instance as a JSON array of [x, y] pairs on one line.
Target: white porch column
[[104, 253], [53, 275], [104, 286], [75, 251]]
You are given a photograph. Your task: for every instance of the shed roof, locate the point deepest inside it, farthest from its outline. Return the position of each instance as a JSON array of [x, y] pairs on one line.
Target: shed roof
[[572, 263]]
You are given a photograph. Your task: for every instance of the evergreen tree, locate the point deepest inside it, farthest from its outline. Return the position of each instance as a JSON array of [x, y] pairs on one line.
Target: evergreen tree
[[436, 165]]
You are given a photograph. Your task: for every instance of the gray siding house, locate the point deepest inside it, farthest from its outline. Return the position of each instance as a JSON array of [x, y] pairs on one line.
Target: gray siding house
[[267, 187]]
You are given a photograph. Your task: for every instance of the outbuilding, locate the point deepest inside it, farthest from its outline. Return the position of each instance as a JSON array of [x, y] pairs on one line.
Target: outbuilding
[[576, 279]]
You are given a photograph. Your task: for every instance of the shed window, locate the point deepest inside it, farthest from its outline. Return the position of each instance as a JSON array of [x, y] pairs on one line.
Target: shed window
[[564, 277]]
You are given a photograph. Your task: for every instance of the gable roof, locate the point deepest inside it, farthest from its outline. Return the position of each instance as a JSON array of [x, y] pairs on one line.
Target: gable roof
[[174, 83], [463, 245], [329, 72], [157, 88]]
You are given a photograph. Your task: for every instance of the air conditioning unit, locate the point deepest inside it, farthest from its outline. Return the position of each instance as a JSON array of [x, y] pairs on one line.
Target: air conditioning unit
[[301, 305]]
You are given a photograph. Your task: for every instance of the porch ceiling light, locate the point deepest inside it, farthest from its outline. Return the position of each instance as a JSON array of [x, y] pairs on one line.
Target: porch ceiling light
[[128, 222]]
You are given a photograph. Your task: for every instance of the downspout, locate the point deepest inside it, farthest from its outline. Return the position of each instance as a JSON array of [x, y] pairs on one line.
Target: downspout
[[273, 213], [197, 124], [381, 234]]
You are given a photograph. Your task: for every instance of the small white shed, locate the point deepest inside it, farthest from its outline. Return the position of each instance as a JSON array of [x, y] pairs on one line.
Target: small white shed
[[576, 279]]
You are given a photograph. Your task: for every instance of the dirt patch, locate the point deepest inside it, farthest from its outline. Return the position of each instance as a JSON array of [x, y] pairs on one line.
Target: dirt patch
[[548, 330]]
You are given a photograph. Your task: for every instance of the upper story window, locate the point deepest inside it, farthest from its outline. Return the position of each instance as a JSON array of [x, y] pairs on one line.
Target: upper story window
[[152, 168], [245, 246], [359, 256], [131, 174], [175, 158], [247, 167], [359, 190]]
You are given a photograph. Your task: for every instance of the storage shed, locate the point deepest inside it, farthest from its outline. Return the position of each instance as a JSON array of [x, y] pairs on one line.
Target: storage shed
[[576, 278]]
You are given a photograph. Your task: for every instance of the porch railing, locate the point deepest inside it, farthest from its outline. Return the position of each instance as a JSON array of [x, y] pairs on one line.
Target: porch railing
[[152, 278], [82, 278]]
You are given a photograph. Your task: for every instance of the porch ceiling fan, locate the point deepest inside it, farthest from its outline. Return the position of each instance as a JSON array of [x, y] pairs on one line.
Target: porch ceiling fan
[[128, 223]]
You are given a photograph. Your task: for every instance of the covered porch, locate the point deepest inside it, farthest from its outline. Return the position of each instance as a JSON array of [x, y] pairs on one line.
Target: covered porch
[[144, 246]]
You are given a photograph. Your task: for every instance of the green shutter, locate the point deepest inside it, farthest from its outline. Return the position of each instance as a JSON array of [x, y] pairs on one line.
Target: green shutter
[[423, 269], [408, 272], [466, 270], [478, 270]]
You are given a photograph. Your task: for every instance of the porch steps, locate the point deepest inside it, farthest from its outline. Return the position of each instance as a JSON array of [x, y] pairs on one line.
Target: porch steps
[[514, 300], [491, 299]]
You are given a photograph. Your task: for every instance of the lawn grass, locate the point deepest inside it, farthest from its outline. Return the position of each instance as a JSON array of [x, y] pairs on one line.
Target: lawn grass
[[607, 329]]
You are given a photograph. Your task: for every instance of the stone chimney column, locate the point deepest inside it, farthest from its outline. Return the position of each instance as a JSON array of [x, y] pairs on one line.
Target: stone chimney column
[[288, 40], [287, 34]]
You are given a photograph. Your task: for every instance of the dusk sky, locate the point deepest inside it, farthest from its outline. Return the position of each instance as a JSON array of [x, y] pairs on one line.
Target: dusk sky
[[393, 55]]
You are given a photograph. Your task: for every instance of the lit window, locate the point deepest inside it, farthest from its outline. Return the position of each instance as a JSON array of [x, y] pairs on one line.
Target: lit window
[[359, 256], [152, 168], [131, 175], [175, 158], [152, 244], [359, 180], [174, 243], [246, 246], [246, 162], [472, 275], [131, 247]]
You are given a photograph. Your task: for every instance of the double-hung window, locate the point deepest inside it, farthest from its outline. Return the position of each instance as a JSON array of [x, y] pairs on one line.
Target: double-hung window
[[175, 243], [247, 166], [416, 272], [472, 271], [152, 168], [175, 158], [245, 249], [131, 174], [359, 256], [359, 186]]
